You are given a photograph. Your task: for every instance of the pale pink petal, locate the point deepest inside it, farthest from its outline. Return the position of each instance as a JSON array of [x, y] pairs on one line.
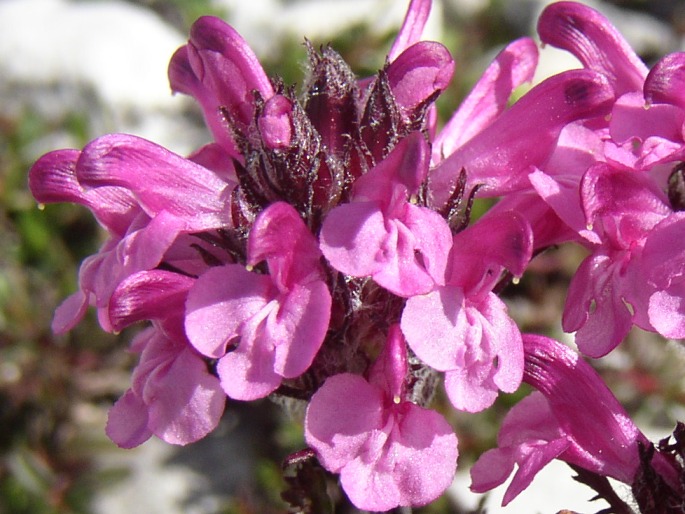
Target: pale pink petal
[[416, 465], [589, 36], [493, 357], [185, 401], [352, 238], [667, 311], [299, 326], [436, 343], [219, 302], [70, 312], [247, 373], [340, 417], [127, 421], [595, 308]]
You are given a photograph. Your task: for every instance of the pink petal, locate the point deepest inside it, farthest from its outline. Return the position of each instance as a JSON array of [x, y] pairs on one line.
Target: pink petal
[[390, 368], [488, 99], [631, 118], [589, 36], [419, 72], [280, 237], [161, 180], [412, 27], [595, 307], [219, 302], [499, 157], [154, 294], [436, 343], [416, 465], [248, 372], [185, 401], [298, 328], [493, 357], [70, 312], [127, 421], [340, 417], [667, 311], [665, 82], [352, 238]]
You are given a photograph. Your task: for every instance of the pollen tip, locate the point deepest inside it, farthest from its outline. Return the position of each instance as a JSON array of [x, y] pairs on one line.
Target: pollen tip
[[249, 267], [41, 206]]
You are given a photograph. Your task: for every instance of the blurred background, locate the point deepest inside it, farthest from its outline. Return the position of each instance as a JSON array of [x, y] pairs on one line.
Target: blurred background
[[73, 70]]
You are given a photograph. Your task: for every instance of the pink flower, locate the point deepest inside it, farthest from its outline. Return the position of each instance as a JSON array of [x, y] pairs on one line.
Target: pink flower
[[172, 395], [389, 452], [382, 234], [144, 195], [263, 328], [623, 208], [470, 335], [573, 417]]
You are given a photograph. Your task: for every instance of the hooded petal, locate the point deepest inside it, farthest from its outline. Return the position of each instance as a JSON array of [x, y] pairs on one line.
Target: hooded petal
[[576, 393], [500, 157], [127, 421], [159, 179], [594, 41], [418, 73], [665, 82], [53, 178], [280, 237], [154, 294]]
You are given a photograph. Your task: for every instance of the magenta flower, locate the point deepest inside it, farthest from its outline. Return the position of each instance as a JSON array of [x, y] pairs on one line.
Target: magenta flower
[[173, 395], [389, 452], [138, 192], [263, 327], [573, 417], [623, 208], [382, 234], [470, 335]]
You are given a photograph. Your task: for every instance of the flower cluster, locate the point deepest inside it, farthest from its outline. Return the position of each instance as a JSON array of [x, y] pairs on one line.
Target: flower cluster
[[320, 248]]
